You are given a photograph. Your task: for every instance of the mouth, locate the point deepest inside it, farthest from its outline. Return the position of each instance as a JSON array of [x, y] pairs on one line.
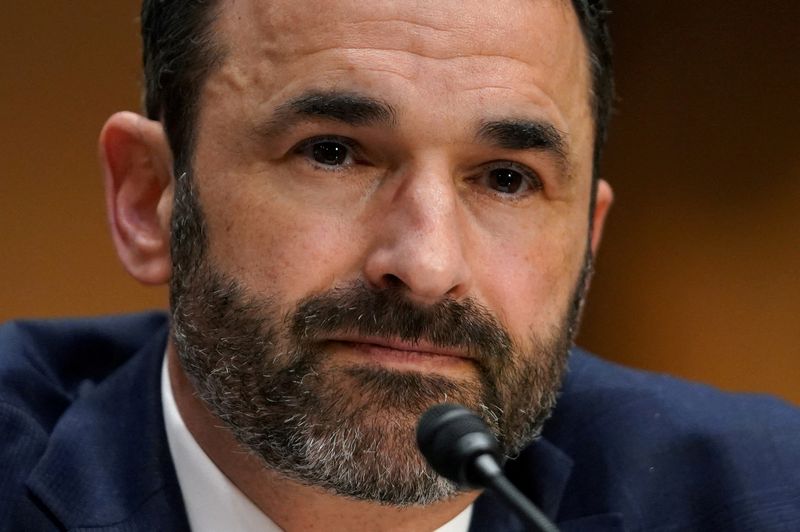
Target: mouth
[[400, 354]]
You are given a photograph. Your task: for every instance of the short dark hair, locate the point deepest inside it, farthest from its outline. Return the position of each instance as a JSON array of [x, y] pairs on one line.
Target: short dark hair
[[593, 18], [179, 51]]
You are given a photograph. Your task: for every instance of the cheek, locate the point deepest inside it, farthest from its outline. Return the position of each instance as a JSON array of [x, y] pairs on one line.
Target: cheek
[[275, 247], [529, 282]]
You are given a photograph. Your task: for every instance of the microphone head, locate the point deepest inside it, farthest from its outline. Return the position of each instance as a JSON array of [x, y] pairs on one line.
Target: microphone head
[[450, 438]]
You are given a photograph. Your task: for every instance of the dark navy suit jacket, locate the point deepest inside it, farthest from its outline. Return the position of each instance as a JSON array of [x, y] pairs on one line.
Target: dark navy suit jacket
[[83, 447]]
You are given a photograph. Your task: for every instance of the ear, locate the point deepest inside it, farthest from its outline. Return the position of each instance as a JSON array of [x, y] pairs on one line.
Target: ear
[[604, 196], [137, 170]]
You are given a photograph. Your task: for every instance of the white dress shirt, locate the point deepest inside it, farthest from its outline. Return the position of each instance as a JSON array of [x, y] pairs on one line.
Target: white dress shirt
[[213, 503]]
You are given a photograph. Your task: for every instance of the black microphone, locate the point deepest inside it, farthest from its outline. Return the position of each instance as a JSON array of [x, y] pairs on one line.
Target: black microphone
[[459, 446]]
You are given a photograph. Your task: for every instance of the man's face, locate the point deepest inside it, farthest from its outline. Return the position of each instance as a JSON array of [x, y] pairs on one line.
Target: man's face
[[396, 202]]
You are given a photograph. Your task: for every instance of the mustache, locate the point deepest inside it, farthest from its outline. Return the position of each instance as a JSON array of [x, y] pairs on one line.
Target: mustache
[[387, 312]]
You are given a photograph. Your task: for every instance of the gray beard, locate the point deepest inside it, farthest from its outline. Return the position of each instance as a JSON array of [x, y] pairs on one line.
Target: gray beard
[[350, 429]]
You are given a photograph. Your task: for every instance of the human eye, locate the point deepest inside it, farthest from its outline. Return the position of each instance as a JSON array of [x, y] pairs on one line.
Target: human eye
[[505, 178], [328, 153]]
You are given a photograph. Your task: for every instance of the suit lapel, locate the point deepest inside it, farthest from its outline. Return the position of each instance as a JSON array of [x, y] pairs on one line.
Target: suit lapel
[[107, 463], [541, 472]]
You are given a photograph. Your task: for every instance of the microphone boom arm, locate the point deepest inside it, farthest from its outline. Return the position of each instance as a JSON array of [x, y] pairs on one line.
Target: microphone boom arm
[[487, 468]]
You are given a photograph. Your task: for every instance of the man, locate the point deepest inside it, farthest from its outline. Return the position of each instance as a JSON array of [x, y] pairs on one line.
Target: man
[[364, 210]]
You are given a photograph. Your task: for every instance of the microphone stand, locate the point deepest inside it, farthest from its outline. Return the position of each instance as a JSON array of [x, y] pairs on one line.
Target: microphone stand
[[488, 471]]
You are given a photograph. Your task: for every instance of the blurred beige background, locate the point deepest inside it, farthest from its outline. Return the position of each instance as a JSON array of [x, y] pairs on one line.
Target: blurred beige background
[[699, 275]]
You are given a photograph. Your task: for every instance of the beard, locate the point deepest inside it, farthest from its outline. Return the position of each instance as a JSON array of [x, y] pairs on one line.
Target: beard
[[350, 428]]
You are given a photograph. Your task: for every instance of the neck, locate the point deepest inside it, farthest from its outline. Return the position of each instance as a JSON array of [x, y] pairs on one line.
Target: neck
[[291, 505]]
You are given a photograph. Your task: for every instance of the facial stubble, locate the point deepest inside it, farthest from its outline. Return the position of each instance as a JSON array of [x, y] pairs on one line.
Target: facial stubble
[[349, 428]]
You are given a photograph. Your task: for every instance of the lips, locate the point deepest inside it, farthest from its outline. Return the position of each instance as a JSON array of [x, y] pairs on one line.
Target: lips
[[401, 352], [422, 347]]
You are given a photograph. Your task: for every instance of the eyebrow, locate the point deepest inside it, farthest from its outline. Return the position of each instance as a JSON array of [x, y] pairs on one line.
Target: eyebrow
[[523, 134], [349, 108]]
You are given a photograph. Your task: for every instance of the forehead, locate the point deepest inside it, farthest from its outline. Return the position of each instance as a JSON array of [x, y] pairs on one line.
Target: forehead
[[497, 26], [466, 53]]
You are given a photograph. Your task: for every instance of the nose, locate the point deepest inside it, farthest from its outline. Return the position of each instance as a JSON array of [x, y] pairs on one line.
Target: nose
[[419, 240]]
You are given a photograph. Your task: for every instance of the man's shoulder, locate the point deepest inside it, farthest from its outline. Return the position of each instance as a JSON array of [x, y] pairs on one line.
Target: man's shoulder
[[44, 363], [47, 367], [597, 392], [659, 446]]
